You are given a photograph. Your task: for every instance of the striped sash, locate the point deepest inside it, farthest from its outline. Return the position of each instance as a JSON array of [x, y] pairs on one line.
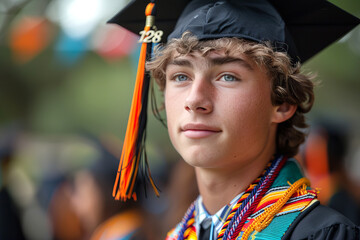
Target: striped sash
[[287, 197]]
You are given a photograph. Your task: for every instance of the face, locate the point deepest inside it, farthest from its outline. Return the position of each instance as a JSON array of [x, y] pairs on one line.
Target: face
[[219, 109], [87, 200]]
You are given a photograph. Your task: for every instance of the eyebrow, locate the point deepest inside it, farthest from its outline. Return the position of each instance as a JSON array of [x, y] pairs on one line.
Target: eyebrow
[[217, 61], [181, 62], [229, 59]]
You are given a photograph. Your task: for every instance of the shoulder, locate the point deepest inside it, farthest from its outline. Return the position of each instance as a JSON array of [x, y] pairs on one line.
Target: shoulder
[[320, 222]]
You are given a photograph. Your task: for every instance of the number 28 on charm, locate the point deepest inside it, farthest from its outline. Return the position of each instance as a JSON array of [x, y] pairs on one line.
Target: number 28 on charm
[[150, 36]]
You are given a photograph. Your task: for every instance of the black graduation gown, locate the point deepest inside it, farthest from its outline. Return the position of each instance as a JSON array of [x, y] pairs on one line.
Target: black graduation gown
[[10, 224], [322, 223]]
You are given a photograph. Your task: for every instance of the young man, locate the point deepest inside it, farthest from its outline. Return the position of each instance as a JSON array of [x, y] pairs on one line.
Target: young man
[[235, 101]]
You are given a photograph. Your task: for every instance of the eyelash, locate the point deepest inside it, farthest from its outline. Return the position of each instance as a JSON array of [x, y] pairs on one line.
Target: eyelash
[[232, 76], [176, 78], [222, 78]]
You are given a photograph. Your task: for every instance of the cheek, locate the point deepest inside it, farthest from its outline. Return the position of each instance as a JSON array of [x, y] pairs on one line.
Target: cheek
[[171, 113], [250, 110], [169, 106]]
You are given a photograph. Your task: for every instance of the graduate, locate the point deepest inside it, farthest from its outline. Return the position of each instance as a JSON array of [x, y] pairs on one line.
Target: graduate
[[235, 99]]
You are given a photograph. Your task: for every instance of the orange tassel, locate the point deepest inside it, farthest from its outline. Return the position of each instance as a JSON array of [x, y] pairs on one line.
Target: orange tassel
[[130, 156]]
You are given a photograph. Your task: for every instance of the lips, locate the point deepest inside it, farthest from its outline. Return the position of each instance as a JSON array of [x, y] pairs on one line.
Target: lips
[[196, 131]]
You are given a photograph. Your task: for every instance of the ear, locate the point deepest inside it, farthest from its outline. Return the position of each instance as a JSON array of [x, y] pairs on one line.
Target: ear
[[283, 112]]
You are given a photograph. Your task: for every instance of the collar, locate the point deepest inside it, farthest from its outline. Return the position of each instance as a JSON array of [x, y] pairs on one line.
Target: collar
[[218, 219]]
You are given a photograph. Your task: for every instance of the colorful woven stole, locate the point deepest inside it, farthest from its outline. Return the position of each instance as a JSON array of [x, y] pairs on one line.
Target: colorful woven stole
[[261, 209]]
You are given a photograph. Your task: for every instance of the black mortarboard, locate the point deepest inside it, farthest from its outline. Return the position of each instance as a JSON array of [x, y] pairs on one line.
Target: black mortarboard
[[311, 24], [302, 28]]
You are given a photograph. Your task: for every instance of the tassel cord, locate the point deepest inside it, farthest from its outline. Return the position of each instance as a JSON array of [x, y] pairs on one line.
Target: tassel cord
[[240, 221], [266, 217], [234, 223], [133, 146]]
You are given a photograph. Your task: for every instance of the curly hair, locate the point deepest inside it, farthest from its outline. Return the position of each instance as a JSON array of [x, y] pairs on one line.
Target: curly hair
[[289, 85]]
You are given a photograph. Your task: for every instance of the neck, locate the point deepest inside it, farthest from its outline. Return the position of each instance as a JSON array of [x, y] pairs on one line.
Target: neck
[[219, 186]]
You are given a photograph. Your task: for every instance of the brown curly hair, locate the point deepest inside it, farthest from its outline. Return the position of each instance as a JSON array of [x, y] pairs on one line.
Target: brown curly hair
[[289, 85]]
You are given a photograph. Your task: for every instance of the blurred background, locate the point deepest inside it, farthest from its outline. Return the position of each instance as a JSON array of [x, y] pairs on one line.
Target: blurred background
[[65, 91]]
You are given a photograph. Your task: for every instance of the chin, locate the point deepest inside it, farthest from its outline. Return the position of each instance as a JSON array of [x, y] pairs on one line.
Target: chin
[[201, 162]]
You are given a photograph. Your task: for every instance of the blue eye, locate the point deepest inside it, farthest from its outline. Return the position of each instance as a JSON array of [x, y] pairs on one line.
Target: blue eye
[[229, 78], [181, 78]]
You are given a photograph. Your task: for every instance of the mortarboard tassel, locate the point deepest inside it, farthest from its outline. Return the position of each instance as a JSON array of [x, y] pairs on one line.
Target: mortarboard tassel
[[133, 156]]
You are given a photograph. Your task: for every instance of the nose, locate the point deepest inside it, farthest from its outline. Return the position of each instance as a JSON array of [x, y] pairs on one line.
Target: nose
[[200, 97]]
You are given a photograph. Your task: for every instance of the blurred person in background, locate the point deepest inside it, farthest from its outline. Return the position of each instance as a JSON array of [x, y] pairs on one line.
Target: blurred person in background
[[65, 223], [10, 214], [346, 198], [182, 176], [89, 209], [325, 159]]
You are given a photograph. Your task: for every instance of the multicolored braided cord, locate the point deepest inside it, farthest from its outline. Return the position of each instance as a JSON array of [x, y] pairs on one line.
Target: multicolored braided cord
[[242, 209]]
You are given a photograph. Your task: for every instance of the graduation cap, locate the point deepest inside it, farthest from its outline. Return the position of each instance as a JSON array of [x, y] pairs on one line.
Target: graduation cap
[[302, 28], [312, 24]]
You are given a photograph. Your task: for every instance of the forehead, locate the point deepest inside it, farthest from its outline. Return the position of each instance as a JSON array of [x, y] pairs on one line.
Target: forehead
[[211, 58], [218, 46], [188, 46]]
